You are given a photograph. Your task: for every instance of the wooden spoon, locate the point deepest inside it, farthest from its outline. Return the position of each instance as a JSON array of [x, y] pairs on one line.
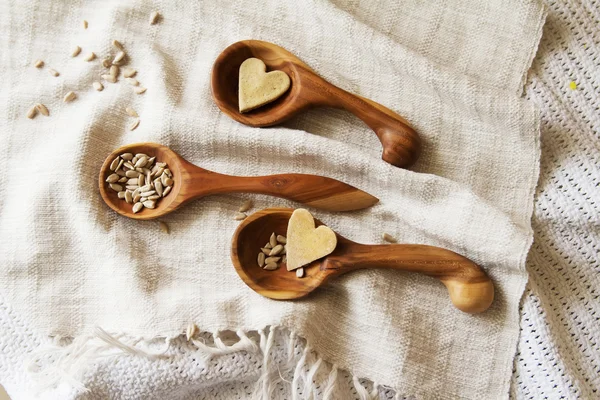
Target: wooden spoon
[[401, 144], [192, 182], [470, 289]]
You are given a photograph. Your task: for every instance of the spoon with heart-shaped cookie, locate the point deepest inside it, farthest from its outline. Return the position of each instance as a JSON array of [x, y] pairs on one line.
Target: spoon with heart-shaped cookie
[[329, 254], [248, 93]]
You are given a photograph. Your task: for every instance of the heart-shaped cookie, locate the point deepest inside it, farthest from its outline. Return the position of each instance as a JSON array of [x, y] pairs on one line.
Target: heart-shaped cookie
[[257, 87], [306, 244]]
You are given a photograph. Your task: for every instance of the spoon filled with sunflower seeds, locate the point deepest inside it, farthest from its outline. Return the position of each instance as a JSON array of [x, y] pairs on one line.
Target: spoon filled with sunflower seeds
[[148, 180], [469, 287]]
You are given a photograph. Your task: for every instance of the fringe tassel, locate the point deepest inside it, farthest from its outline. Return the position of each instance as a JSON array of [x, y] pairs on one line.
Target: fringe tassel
[[308, 381], [245, 343], [298, 371], [360, 389], [331, 383]]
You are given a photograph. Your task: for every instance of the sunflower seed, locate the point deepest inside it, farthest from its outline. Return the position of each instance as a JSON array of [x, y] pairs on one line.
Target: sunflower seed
[[168, 172], [90, 57], [163, 226], [149, 203], [131, 112], [281, 239], [85, 24], [166, 191], [109, 78], [32, 112], [389, 238], [118, 45], [149, 178], [128, 197], [132, 174], [121, 195], [191, 330], [272, 259], [284, 259], [123, 179], [300, 272], [132, 81], [158, 173], [140, 155], [75, 52], [148, 193], [127, 156], [139, 89], [268, 246], [134, 125], [120, 172], [158, 187], [120, 164], [133, 181], [153, 17], [129, 165], [137, 207], [266, 251], [270, 266], [112, 178], [106, 63], [273, 240], [261, 259], [246, 206], [119, 57], [276, 250], [143, 199], [42, 109], [144, 188], [38, 64], [116, 187], [69, 97], [131, 187], [53, 72], [141, 162], [150, 162], [114, 164], [240, 216], [136, 197], [114, 71], [129, 72], [161, 164], [98, 86], [154, 197]]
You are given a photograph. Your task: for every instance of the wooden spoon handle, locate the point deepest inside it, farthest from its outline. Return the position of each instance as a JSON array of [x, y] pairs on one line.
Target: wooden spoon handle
[[470, 289], [401, 144], [312, 190]]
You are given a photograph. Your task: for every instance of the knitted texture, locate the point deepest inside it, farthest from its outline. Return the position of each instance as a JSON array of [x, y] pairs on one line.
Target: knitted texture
[[453, 69]]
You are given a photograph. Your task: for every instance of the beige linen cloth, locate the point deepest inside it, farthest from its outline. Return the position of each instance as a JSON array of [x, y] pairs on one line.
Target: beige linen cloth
[[454, 69]]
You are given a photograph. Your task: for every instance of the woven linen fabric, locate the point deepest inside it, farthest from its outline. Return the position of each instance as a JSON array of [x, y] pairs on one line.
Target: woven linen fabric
[[453, 69]]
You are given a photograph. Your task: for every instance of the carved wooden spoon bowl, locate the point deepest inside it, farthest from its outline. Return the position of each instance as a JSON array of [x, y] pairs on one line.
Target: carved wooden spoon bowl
[[401, 144], [191, 182], [470, 289]]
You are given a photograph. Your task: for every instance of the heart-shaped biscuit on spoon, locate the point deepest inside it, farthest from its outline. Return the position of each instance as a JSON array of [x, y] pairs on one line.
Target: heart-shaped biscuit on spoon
[[257, 87], [305, 243]]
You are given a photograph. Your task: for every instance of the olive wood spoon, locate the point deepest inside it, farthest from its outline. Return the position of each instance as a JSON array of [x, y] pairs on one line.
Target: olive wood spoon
[[469, 287], [401, 144], [191, 182]]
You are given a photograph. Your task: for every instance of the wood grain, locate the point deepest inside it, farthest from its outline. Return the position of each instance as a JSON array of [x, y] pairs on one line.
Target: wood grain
[[401, 144], [191, 182], [469, 287]]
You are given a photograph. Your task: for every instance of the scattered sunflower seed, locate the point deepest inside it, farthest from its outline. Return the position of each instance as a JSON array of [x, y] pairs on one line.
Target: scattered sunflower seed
[[69, 97], [98, 86], [389, 238], [85, 24], [139, 89], [153, 17], [75, 52], [129, 72], [90, 57], [134, 125], [118, 45], [53, 72], [32, 112], [131, 112], [38, 64], [137, 207], [118, 58], [240, 216], [106, 63], [246, 206], [42, 109], [191, 330], [300, 272], [114, 70], [109, 78], [132, 81], [163, 226]]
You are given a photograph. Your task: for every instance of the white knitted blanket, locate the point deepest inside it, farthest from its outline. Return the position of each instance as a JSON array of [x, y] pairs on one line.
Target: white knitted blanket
[[454, 69]]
